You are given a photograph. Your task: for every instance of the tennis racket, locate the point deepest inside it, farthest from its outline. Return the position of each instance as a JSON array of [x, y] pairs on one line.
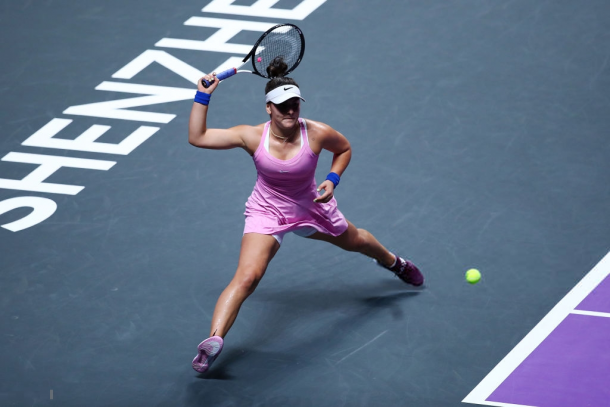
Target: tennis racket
[[283, 40]]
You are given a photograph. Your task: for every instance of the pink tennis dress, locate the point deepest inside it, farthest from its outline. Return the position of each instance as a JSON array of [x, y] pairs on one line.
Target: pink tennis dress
[[282, 199]]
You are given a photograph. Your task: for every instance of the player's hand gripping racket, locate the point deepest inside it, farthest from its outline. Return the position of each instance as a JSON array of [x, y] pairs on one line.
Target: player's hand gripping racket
[[283, 40]]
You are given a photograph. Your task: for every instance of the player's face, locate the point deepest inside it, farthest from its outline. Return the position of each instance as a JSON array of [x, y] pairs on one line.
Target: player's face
[[285, 113], [290, 107]]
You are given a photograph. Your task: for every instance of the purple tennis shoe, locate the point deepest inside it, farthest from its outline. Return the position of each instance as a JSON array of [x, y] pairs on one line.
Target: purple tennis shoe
[[208, 352], [406, 271]]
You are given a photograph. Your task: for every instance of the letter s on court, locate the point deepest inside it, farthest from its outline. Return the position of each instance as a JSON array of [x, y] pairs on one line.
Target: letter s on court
[[43, 209]]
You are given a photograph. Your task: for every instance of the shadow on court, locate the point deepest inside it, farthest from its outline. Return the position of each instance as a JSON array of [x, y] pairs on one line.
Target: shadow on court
[[324, 318]]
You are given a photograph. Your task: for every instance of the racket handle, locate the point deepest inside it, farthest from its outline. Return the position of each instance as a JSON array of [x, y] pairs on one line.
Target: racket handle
[[221, 76]]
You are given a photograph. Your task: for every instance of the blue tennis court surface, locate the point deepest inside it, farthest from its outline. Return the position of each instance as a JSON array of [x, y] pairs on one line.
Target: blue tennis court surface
[[479, 131]]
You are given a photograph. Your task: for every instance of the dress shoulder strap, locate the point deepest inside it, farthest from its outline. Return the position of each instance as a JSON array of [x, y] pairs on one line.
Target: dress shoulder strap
[[304, 131], [261, 143], [265, 136]]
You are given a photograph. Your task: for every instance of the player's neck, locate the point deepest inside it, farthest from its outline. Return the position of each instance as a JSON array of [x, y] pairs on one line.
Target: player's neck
[[284, 135]]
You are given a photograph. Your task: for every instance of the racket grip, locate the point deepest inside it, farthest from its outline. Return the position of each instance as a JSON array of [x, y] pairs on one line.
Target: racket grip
[[221, 76]]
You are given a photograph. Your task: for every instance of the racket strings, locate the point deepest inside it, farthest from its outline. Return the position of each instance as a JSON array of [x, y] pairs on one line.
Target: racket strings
[[284, 41]]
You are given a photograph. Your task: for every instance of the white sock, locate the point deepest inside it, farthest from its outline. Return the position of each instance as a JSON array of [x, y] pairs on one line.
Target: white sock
[[395, 260]]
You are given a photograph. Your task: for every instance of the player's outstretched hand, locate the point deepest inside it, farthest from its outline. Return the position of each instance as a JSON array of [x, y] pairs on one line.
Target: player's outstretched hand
[[208, 78], [328, 189]]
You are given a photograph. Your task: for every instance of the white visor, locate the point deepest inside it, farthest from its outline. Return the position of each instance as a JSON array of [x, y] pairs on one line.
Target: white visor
[[282, 94]]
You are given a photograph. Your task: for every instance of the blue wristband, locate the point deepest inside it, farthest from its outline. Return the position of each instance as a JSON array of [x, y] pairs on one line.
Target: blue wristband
[[202, 97], [334, 178]]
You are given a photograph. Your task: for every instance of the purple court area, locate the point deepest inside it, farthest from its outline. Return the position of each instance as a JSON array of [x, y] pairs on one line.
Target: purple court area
[[598, 300], [571, 366]]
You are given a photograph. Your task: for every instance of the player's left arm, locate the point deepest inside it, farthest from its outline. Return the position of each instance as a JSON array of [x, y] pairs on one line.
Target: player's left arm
[[336, 143]]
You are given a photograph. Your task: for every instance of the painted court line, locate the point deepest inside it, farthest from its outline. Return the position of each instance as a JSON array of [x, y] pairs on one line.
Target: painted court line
[[535, 337], [497, 404], [592, 313], [369, 342]]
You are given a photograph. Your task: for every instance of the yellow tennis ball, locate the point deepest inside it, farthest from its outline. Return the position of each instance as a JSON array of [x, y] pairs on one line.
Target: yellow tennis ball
[[473, 276]]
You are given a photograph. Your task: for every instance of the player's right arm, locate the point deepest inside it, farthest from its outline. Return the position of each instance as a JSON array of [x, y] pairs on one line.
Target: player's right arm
[[216, 139]]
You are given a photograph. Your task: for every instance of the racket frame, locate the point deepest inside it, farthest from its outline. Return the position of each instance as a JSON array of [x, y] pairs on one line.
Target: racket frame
[[232, 71]]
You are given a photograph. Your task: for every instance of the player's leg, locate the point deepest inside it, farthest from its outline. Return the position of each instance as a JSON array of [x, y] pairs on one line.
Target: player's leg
[[358, 240], [257, 250], [362, 241]]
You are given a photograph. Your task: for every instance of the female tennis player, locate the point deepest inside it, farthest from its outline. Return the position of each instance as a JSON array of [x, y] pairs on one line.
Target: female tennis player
[[285, 198]]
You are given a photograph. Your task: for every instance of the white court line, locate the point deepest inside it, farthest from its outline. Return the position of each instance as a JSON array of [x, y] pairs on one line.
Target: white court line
[[535, 337], [592, 313], [494, 403], [369, 342]]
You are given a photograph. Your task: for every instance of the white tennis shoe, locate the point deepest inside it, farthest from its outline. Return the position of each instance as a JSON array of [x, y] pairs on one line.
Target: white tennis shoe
[[208, 351]]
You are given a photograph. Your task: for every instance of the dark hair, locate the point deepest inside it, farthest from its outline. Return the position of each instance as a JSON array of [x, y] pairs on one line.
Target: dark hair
[[276, 71]]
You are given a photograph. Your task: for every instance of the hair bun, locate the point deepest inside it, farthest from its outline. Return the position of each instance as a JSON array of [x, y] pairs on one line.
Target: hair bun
[[277, 68]]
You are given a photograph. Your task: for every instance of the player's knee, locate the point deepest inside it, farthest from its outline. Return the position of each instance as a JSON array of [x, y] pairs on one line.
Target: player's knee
[[362, 241], [248, 279], [357, 242]]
